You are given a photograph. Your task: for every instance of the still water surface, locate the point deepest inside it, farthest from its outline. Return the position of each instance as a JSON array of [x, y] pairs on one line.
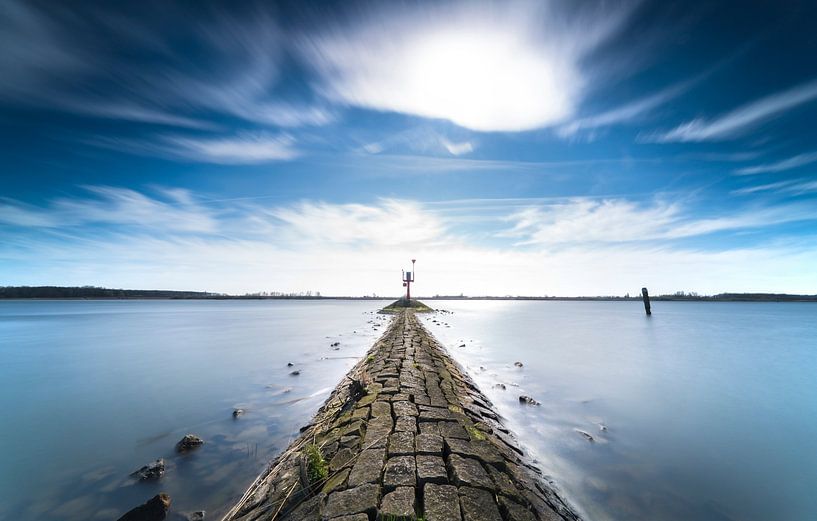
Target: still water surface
[[92, 390], [705, 411], [710, 409]]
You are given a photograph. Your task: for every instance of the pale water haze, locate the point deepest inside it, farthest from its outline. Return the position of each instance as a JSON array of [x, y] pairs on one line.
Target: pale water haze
[[704, 411]]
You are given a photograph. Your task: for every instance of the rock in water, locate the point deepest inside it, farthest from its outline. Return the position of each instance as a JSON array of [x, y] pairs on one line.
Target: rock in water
[[151, 471], [237, 413], [294, 373], [155, 509], [518, 364], [196, 516], [190, 441], [527, 400]]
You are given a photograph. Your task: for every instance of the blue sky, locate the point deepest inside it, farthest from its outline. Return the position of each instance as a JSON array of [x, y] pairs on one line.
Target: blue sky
[[530, 148]]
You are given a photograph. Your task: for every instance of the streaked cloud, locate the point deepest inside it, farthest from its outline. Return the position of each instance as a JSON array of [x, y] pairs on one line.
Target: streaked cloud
[[177, 239], [741, 120], [792, 187], [486, 66], [625, 113], [168, 211], [779, 166], [582, 221], [242, 149]]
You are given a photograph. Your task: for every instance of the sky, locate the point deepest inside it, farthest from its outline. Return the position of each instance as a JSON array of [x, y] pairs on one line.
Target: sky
[[512, 148]]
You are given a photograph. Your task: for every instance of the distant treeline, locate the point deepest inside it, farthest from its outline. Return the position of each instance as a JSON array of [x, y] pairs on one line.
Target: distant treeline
[[92, 292]]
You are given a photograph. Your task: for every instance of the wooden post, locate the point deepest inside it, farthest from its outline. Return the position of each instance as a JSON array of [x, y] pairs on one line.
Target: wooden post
[[646, 295]]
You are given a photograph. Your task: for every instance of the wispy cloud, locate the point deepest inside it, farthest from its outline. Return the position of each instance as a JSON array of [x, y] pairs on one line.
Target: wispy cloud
[[741, 120], [581, 221], [486, 66], [391, 222], [422, 140], [51, 58], [242, 149], [173, 238], [791, 187], [625, 113], [779, 166], [169, 211]]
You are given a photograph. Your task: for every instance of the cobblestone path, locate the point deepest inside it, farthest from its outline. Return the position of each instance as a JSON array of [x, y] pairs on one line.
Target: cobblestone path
[[406, 435]]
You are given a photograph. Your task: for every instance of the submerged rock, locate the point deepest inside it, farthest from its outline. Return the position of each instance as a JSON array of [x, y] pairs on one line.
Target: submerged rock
[[290, 364], [518, 364], [151, 471], [155, 509], [237, 413], [527, 400], [589, 437], [294, 373], [189, 442], [196, 516]]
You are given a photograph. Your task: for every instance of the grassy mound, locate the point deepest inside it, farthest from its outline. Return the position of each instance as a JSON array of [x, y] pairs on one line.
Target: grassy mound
[[403, 303]]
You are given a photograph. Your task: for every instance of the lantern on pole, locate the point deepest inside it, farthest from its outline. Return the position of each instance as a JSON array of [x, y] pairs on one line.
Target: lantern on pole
[[408, 278]]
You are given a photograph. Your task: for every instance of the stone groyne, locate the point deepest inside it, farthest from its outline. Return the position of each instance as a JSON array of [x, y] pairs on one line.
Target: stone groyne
[[406, 435]]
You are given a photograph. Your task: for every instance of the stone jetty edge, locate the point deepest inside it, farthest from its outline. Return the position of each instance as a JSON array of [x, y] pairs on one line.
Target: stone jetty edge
[[419, 442]]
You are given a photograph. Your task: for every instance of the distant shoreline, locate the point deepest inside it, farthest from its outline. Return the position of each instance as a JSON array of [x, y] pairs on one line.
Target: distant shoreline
[[93, 293]]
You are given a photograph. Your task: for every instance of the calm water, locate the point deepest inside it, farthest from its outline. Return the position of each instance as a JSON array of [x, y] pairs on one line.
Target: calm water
[[92, 390], [710, 409]]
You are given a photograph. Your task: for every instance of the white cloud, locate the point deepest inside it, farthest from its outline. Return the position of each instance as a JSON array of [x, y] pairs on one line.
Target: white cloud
[[792, 187], [486, 66], [779, 166], [172, 211], [122, 238], [245, 148], [625, 113], [583, 221], [741, 120], [458, 149], [392, 222]]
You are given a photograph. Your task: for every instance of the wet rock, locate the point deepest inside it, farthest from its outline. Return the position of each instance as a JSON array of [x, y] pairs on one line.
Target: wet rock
[[151, 471], [155, 509], [290, 364], [399, 504], [237, 413], [462, 345], [518, 364], [357, 389], [294, 373], [527, 400], [589, 437], [441, 502], [513, 511], [189, 442]]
